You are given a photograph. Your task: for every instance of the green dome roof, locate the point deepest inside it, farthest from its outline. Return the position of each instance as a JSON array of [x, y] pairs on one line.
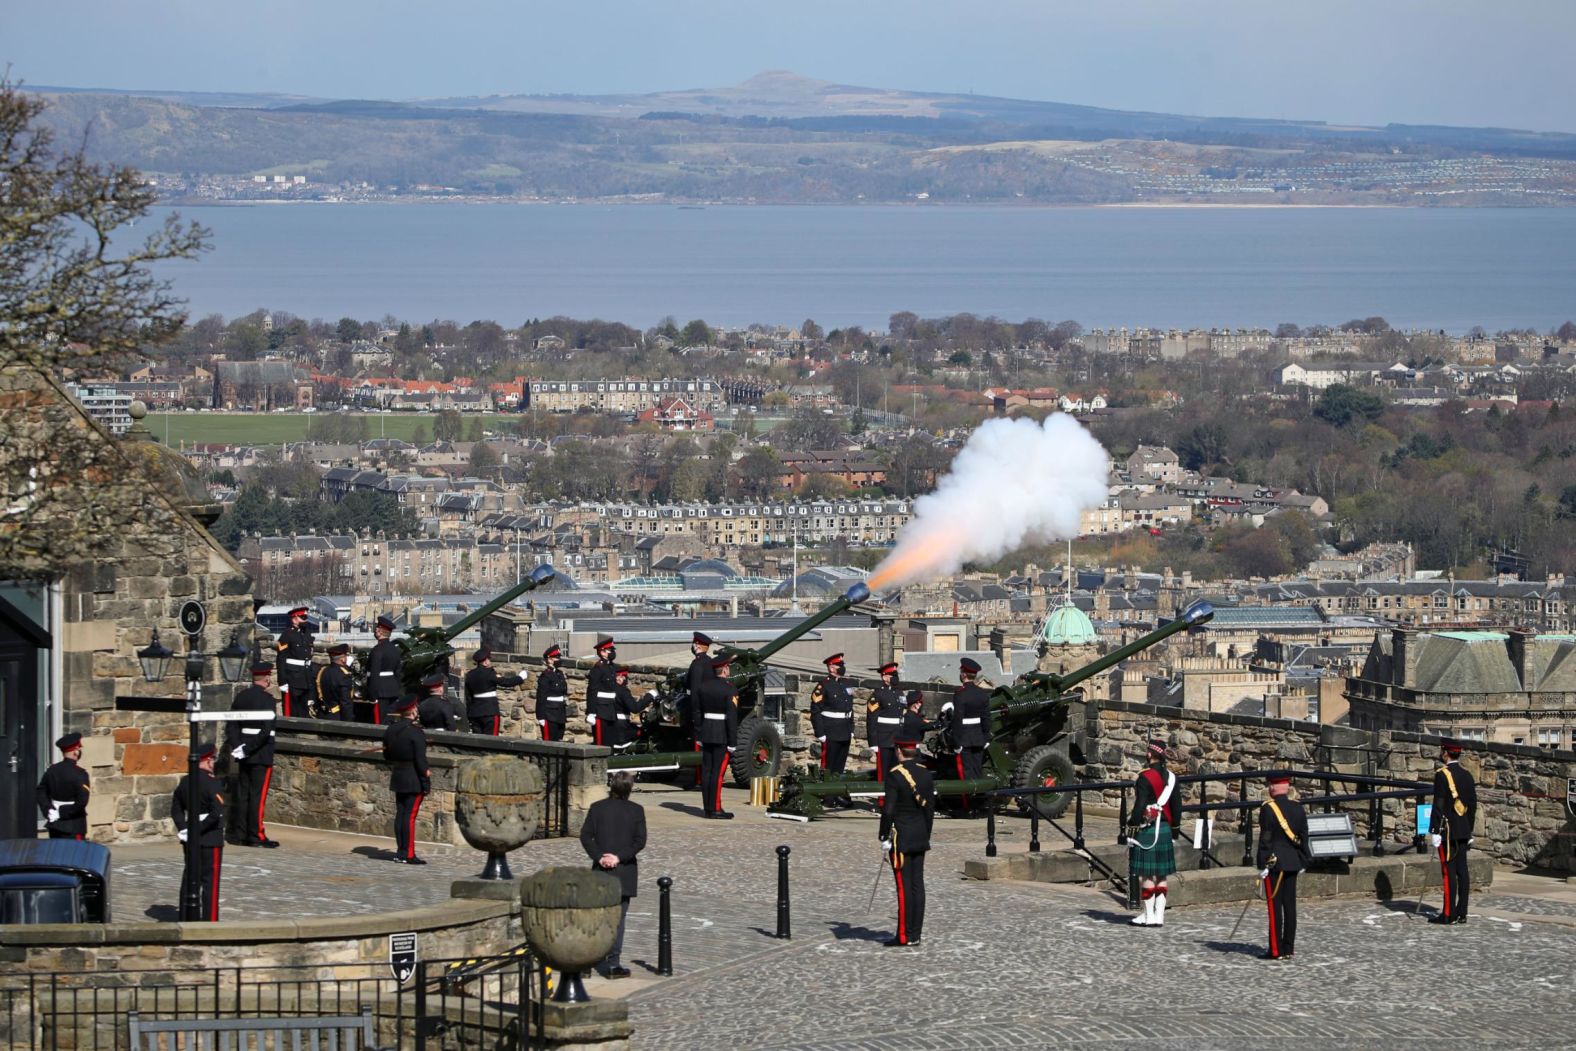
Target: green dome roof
[[1068, 626]]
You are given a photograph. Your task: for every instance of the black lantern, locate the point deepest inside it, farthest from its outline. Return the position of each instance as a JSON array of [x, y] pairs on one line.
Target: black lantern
[[155, 659], [233, 659]]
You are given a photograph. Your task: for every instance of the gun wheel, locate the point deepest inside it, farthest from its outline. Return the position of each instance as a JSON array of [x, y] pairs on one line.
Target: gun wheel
[[758, 750], [1044, 767]]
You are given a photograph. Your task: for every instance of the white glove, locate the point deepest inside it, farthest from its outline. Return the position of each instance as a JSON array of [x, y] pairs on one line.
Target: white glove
[[651, 693], [1264, 873], [180, 834], [730, 749], [1150, 811], [590, 720], [54, 813], [1436, 840], [886, 845], [239, 751], [945, 708], [822, 739]]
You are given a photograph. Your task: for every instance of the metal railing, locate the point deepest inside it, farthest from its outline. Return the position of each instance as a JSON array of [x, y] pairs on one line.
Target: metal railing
[[445, 1005]]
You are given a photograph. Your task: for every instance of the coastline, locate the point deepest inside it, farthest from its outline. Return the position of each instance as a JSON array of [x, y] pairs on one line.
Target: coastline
[[688, 205]]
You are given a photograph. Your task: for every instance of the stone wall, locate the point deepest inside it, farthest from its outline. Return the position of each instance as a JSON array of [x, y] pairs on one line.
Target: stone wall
[[331, 775], [1523, 819]]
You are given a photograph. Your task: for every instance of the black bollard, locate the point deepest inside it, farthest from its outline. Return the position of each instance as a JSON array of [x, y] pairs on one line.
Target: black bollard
[[1376, 827], [664, 926], [1078, 824], [782, 892], [1121, 821], [990, 832], [1034, 829]]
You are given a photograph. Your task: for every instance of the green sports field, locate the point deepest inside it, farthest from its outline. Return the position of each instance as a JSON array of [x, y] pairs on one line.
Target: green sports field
[[274, 428]]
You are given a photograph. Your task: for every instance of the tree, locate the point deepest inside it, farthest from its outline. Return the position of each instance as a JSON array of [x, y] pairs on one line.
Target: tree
[[1566, 333], [696, 334], [448, 425], [75, 292], [348, 330], [1341, 404], [483, 459], [759, 472], [810, 330]]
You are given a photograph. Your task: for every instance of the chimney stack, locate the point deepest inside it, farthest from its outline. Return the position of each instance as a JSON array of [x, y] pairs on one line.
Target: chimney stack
[[1403, 663], [1520, 658]]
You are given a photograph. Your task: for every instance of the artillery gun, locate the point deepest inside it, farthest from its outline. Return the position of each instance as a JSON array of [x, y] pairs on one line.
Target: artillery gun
[[666, 737], [422, 649], [1030, 742]]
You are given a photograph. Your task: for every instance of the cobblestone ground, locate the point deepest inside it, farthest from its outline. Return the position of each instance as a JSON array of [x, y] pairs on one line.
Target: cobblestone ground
[[1003, 965]]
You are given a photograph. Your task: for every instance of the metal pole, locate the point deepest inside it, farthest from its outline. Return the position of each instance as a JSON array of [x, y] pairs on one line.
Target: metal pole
[[1204, 822], [990, 832], [191, 908], [782, 892], [1078, 820], [1034, 828], [664, 926], [1245, 826], [1376, 826], [1121, 821]]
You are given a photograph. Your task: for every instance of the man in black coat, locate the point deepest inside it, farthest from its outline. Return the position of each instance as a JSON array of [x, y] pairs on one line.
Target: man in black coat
[[907, 813], [600, 690], [384, 664], [832, 715], [970, 709], [613, 836], [700, 668], [333, 685], [62, 793], [295, 665], [884, 719], [1283, 839], [552, 696], [410, 778], [1450, 831], [481, 693], [717, 725], [435, 712], [201, 816], [251, 745]]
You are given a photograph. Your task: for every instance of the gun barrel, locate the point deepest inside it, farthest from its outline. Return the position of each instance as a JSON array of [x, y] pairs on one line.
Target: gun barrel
[[537, 577], [1196, 614], [853, 596]]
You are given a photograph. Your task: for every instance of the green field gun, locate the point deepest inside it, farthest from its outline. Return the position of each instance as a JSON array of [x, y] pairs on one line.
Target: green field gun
[[666, 740], [1030, 743]]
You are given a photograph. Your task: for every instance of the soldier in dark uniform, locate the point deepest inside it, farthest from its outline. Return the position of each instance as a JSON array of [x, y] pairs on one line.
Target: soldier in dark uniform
[[251, 745], [700, 672], [552, 696], [884, 719], [295, 665], [481, 693], [333, 685], [1156, 814], [907, 813], [832, 715], [201, 816], [625, 707], [717, 719], [383, 675], [613, 835], [1450, 831], [62, 793], [410, 778], [600, 690], [970, 711], [915, 726], [1283, 837], [435, 710]]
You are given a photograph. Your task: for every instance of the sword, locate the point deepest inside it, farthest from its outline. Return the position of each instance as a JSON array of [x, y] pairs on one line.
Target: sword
[[1244, 913], [875, 887]]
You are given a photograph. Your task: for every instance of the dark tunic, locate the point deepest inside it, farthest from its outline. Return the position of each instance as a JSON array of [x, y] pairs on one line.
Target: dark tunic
[[405, 750], [481, 691], [833, 717], [256, 737], [622, 722], [884, 716], [617, 827], [1273, 842], [64, 787], [552, 696], [437, 713], [1154, 853], [209, 810], [971, 716], [601, 692], [333, 691], [295, 667], [383, 672]]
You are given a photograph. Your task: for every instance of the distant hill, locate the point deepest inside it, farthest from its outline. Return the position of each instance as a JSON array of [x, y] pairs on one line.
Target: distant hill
[[779, 137]]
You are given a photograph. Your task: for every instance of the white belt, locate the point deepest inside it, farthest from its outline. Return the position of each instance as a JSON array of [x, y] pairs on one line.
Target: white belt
[[843, 715], [385, 673], [494, 693], [622, 717], [58, 803], [971, 722], [606, 696], [297, 663], [716, 715], [555, 700], [252, 730], [888, 720], [202, 817]]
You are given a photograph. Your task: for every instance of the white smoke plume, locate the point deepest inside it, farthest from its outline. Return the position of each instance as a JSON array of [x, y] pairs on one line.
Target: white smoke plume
[[1016, 482]]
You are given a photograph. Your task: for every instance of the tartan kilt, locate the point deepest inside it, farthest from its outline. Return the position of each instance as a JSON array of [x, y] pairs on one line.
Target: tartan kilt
[[1158, 860]]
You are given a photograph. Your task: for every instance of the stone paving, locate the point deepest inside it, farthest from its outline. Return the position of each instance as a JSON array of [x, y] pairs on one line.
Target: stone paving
[[1003, 965]]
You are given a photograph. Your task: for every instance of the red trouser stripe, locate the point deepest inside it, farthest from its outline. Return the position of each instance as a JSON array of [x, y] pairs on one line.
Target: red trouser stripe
[[721, 772], [284, 700], [902, 902], [377, 712], [262, 800], [697, 769], [410, 835], [599, 731], [546, 733], [880, 774], [960, 776], [213, 891], [1444, 876], [1269, 899], [495, 725], [825, 747]]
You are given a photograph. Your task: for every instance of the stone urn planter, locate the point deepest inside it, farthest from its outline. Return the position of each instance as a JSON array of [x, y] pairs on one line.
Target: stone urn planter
[[498, 806], [570, 916]]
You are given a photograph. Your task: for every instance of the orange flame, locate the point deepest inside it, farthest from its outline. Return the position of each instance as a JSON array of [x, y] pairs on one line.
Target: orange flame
[[916, 559]]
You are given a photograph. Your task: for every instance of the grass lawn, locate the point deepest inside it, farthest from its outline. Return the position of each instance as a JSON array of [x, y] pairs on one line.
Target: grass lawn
[[274, 428]]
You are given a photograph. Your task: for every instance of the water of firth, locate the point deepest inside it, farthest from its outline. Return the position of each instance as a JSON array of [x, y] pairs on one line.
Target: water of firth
[[732, 265]]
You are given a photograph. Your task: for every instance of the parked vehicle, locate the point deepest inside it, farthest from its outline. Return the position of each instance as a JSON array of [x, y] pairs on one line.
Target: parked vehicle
[[53, 881]]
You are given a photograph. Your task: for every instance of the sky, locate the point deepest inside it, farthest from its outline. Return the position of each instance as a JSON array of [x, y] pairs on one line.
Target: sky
[[1462, 62]]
